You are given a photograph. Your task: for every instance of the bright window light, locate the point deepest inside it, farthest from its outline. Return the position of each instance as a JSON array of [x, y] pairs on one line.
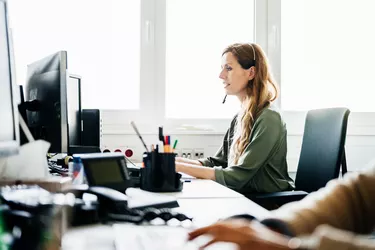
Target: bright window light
[[197, 33], [102, 39], [327, 54]]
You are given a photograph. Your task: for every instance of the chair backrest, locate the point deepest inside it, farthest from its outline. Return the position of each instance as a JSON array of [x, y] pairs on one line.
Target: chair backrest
[[322, 148]]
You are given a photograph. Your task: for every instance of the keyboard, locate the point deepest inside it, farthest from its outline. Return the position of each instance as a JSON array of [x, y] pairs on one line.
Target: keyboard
[[60, 170], [160, 238]]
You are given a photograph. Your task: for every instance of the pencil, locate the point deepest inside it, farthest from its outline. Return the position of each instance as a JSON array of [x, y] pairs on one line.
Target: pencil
[[174, 145], [139, 135]]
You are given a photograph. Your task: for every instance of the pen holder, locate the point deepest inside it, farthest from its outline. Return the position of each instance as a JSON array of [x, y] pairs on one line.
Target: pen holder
[[159, 173]]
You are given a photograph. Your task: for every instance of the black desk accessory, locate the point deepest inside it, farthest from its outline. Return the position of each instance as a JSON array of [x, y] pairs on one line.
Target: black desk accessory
[[135, 176], [106, 170], [112, 206], [91, 127], [159, 173], [108, 178]]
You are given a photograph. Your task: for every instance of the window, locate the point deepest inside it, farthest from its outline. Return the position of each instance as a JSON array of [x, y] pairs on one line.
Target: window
[[327, 51], [196, 34], [102, 39], [141, 60]]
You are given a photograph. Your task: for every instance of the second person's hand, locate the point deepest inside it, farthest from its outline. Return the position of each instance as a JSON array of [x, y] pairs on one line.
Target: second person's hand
[[247, 235]]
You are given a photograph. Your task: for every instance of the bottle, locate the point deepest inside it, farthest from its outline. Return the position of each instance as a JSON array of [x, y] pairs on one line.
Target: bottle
[[78, 174]]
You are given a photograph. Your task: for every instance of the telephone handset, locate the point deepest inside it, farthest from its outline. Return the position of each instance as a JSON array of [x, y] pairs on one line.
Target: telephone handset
[[112, 205]]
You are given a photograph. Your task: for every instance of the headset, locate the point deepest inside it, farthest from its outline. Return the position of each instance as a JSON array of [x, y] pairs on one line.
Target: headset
[[246, 65]]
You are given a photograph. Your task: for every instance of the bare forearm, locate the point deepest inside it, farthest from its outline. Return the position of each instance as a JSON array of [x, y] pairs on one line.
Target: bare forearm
[[188, 161], [196, 171]]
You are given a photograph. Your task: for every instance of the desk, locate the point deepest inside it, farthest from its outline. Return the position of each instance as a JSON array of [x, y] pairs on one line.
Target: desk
[[204, 209], [204, 189]]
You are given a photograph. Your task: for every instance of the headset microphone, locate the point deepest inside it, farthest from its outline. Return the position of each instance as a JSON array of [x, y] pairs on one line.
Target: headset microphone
[[225, 97]]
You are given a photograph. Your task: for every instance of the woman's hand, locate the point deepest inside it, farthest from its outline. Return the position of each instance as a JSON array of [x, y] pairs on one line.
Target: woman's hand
[[247, 235], [197, 171]]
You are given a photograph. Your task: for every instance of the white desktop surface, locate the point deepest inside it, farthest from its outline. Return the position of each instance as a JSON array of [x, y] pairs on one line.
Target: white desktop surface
[[200, 189], [207, 211], [204, 211]]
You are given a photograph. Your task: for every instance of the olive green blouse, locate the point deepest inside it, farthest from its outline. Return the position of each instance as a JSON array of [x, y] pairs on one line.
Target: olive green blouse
[[262, 168]]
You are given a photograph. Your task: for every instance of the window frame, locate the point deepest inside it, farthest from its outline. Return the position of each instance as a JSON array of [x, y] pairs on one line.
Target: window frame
[[117, 121], [153, 85]]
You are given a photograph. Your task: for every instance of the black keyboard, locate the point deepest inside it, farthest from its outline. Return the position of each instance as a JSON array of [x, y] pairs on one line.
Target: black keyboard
[[57, 169]]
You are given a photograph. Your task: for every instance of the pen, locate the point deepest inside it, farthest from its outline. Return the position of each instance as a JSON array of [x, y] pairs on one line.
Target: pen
[[139, 135], [161, 136], [174, 145], [167, 147]]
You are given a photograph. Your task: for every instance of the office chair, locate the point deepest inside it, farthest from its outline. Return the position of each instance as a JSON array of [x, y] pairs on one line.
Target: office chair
[[322, 153]]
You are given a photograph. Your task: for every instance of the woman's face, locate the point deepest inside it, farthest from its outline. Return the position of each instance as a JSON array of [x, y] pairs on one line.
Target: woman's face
[[235, 78]]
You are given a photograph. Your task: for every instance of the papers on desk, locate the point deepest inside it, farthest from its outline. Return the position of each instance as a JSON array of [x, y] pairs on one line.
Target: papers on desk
[[141, 199], [160, 238]]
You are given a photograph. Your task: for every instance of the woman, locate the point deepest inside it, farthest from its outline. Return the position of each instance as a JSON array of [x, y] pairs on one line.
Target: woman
[[252, 157]]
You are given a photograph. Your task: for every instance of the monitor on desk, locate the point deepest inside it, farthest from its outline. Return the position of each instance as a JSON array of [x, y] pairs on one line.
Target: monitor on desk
[[46, 90], [76, 140], [53, 104], [74, 110], [9, 133]]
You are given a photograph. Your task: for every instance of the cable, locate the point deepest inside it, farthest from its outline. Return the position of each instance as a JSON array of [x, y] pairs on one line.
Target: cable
[[131, 162]]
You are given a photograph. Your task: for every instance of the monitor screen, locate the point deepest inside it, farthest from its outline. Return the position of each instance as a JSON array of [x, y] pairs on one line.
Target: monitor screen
[[46, 84], [74, 109], [9, 122]]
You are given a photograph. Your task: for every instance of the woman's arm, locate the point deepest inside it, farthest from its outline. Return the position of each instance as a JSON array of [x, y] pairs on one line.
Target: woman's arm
[[246, 235], [194, 167], [221, 156], [188, 161], [253, 235], [346, 204], [196, 171]]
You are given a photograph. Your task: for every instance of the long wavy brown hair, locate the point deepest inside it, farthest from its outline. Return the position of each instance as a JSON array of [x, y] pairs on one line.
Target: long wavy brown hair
[[261, 92]]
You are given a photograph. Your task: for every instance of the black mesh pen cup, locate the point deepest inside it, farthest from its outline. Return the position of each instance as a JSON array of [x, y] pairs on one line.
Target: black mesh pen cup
[[159, 173]]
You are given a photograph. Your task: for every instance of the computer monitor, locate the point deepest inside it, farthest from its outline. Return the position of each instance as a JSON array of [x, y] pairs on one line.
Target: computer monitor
[[76, 140], [9, 133], [46, 89], [74, 110]]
